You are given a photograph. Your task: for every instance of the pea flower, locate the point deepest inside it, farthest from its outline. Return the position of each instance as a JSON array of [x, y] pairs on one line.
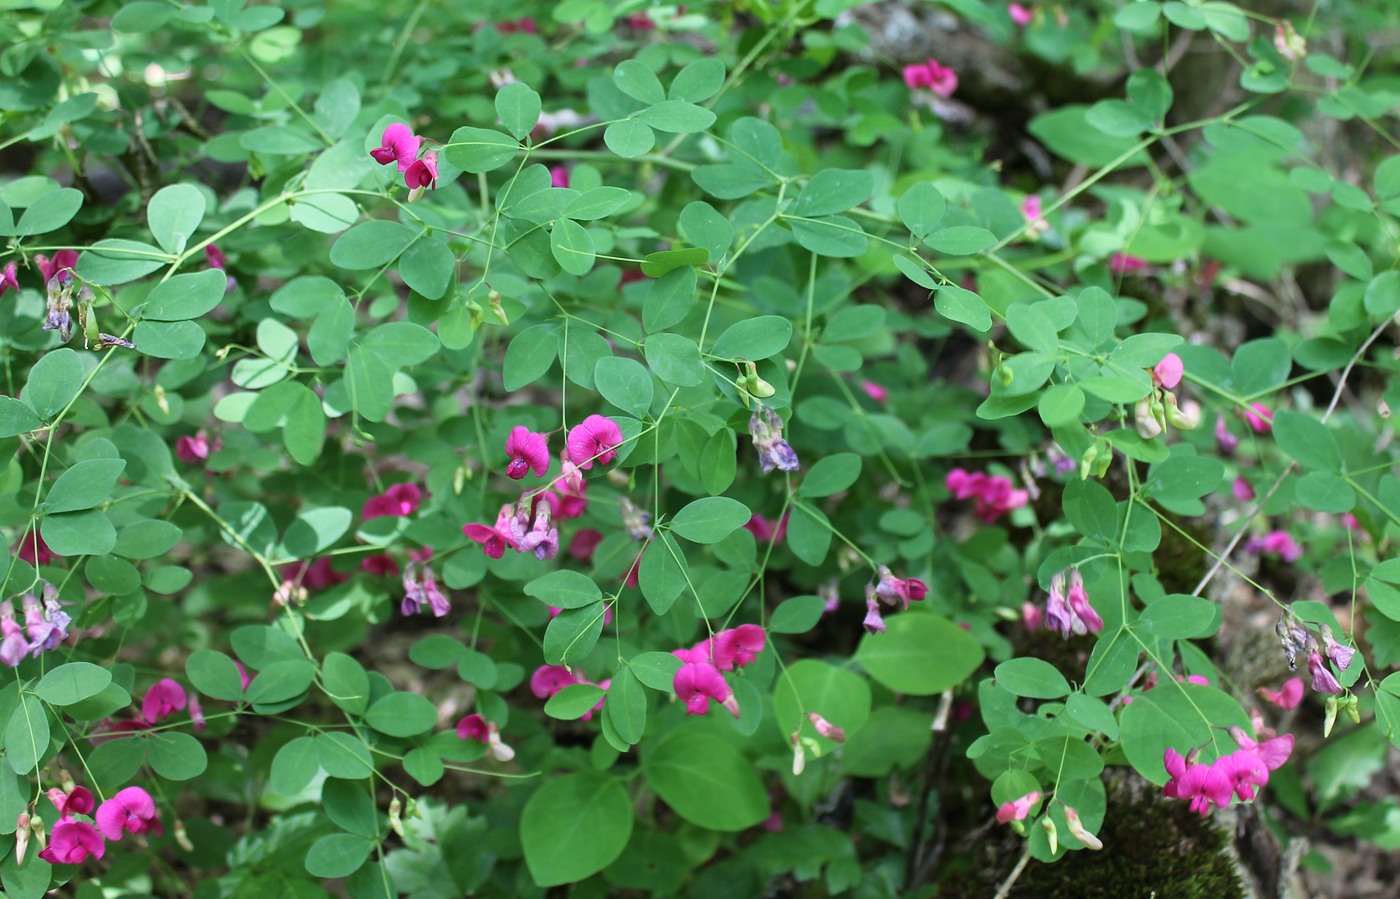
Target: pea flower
[[1023, 16], [696, 683], [397, 144], [766, 530], [13, 646], [1243, 490], [421, 589], [1226, 442], [595, 439], [550, 679], [1079, 831], [875, 391], [316, 574], [892, 589], [584, 542], [766, 429], [1017, 809], [558, 176], [59, 314], [165, 697], [1339, 653], [995, 494], [1288, 696], [933, 75], [9, 279], [1123, 264], [1168, 372], [826, 728], [528, 451], [1197, 783], [32, 549], [72, 843], [130, 811], [216, 259], [874, 622], [736, 647], [475, 727], [422, 173], [77, 801], [1069, 611], [46, 625], [1294, 638], [1259, 417], [1323, 680], [60, 266], [380, 565], [1276, 543], [494, 540], [399, 501]]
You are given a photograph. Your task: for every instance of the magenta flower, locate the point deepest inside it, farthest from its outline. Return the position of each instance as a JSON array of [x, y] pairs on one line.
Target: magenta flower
[[1260, 418], [130, 811], [1288, 696], [583, 543], [558, 176], [77, 802], [1032, 208], [72, 842], [422, 172], [32, 549], [1339, 653], [380, 564], [736, 647], [876, 392], [550, 679], [892, 589], [60, 266], [13, 645], [698, 653], [194, 450], [1031, 616], [1123, 264], [696, 683], [1023, 16], [9, 279], [1017, 809], [528, 451], [1226, 442], [765, 530], [826, 728], [398, 144], [934, 76], [165, 697], [399, 501], [215, 257], [1242, 489], [316, 574], [1276, 543], [1323, 680], [1168, 372], [1085, 618], [874, 622], [1198, 783], [565, 500], [473, 727], [995, 494], [595, 439]]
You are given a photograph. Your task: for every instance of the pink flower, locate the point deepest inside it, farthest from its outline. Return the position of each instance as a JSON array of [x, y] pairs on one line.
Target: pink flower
[[130, 811], [398, 144], [72, 842], [58, 267], [316, 574], [1323, 680], [1031, 616], [1080, 609], [766, 530], [874, 622], [32, 549], [1242, 490], [380, 564], [243, 673], [421, 589], [1032, 208], [1288, 696], [13, 644], [77, 802], [422, 172], [399, 501], [550, 679], [1168, 372], [1021, 15], [1260, 418], [995, 494], [1339, 653], [569, 497], [696, 683], [193, 449], [935, 76], [1123, 264], [1276, 543], [826, 728], [698, 653], [528, 451], [584, 542], [9, 279], [1017, 809], [475, 727], [595, 439], [558, 176], [1273, 753], [736, 647], [892, 589], [1226, 442], [165, 697], [876, 392], [1199, 784]]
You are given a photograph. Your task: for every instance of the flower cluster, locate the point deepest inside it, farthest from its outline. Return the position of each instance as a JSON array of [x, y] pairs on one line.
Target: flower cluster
[[400, 145], [73, 840], [699, 679], [420, 586], [995, 494], [933, 76], [1069, 611], [766, 429], [520, 529], [45, 627], [1159, 408], [1275, 543], [891, 590], [1298, 639], [1238, 774]]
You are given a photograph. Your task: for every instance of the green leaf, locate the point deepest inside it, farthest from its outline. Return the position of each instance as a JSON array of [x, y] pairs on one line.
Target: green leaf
[[280, 681], [26, 735], [626, 707], [710, 519], [518, 107], [573, 633], [657, 264], [698, 81], [573, 702], [754, 338], [1323, 491], [83, 486], [831, 475], [675, 359], [1093, 714], [215, 675], [88, 533], [176, 756], [964, 306], [479, 150], [142, 16], [1176, 716], [1117, 118], [797, 615], [337, 106], [834, 190], [1060, 405], [427, 266], [344, 680], [961, 240], [629, 138], [809, 534], [1033, 678], [1307, 440], [564, 589], [705, 780], [371, 244], [625, 383], [573, 827], [530, 355], [639, 82], [185, 296], [294, 766], [73, 682], [343, 755], [677, 117], [572, 247], [338, 855], [402, 715], [920, 654], [116, 261], [921, 208], [703, 226], [597, 203], [837, 694], [350, 806], [313, 531], [173, 215], [834, 235], [1032, 328], [656, 669], [169, 340], [54, 381], [663, 573], [1180, 616], [669, 299], [16, 418], [1184, 477], [49, 212]]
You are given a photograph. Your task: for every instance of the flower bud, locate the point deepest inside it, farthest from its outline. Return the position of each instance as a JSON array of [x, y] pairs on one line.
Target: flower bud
[[1051, 833], [826, 728], [1331, 717], [1145, 419], [1086, 463], [1353, 709], [182, 839], [161, 399], [21, 837], [40, 831], [459, 480], [1101, 464], [1079, 832], [1006, 375], [395, 822], [495, 299], [476, 316], [1186, 418], [760, 388], [799, 756]]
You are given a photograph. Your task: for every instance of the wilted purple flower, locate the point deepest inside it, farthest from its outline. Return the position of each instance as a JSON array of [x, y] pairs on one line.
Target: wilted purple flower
[[766, 428], [1294, 638], [13, 646], [874, 622], [45, 632], [109, 340], [1322, 679], [636, 522], [1340, 653]]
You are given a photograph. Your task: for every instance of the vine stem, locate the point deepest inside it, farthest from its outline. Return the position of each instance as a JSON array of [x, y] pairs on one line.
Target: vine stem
[[1259, 507], [1005, 889]]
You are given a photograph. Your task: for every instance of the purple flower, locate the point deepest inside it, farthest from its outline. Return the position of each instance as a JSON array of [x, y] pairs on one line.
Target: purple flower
[[9, 279], [892, 589], [1322, 679], [47, 625], [60, 266], [766, 429], [1085, 619], [1339, 653], [528, 451], [874, 622]]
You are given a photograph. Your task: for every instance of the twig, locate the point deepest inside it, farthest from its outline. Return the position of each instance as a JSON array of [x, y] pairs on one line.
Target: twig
[[913, 867], [1005, 889]]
